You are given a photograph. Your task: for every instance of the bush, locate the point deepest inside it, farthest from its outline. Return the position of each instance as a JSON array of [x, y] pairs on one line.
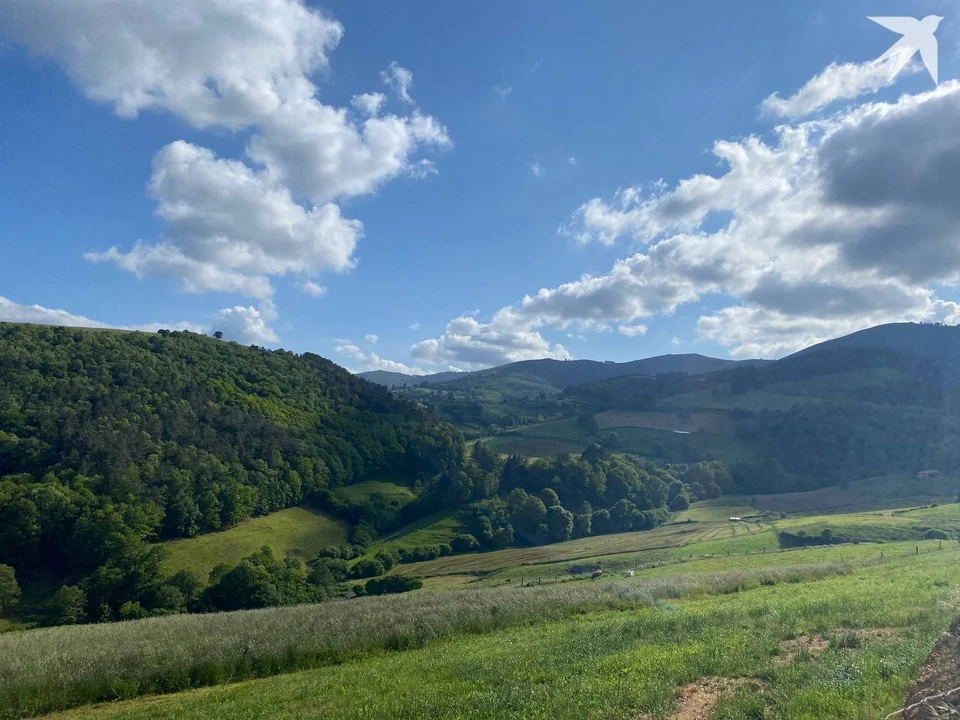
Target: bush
[[464, 542], [392, 584], [366, 567]]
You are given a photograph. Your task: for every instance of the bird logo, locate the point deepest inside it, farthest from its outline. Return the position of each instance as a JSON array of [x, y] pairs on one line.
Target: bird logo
[[918, 35]]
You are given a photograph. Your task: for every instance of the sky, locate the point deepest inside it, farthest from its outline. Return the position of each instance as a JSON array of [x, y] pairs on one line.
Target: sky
[[423, 186]]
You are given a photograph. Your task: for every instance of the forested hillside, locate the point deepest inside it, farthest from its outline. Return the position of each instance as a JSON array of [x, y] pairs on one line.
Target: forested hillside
[[111, 439], [112, 442]]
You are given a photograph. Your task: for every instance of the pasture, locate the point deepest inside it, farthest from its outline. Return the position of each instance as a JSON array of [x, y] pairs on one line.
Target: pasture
[[815, 642], [298, 532]]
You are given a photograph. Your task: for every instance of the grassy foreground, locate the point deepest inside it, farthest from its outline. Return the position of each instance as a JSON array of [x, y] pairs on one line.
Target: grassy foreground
[[49, 669], [831, 646]]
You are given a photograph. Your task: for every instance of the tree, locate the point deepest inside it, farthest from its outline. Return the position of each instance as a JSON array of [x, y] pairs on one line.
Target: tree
[[9, 589], [464, 542], [218, 335], [67, 606], [392, 584], [549, 497], [559, 524]]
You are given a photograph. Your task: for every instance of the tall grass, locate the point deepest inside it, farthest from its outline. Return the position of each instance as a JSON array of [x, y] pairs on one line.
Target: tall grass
[[57, 668]]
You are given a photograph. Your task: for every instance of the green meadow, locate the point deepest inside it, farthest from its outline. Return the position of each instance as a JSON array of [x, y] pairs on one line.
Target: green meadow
[[297, 532]]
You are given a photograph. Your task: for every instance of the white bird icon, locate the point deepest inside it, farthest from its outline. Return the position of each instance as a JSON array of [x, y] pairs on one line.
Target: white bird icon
[[917, 35]]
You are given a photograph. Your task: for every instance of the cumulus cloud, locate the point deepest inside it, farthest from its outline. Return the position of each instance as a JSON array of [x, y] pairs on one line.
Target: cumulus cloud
[[469, 343], [632, 330], [228, 227], [372, 361], [572, 161], [398, 79], [313, 289], [537, 169], [248, 65], [415, 326], [369, 103], [835, 225], [840, 224], [246, 325], [210, 62], [841, 82], [40, 315], [503, 91], [371, 338]]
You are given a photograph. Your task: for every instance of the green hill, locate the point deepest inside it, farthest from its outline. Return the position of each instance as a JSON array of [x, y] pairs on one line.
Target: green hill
[[112, 440]]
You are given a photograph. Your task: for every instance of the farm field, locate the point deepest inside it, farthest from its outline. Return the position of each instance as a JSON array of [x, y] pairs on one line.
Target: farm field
[[707, 422], [298, 531], [878, 493], [827, 643]]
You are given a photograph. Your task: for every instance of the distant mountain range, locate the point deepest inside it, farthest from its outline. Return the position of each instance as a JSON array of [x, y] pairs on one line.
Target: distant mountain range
[[561, 374]]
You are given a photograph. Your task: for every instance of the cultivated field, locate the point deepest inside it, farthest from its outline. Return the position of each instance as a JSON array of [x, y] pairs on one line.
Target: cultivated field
[[299, 532]]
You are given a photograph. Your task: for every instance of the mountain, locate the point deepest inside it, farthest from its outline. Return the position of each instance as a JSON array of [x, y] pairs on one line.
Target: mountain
[[920, 339], [561, 374], [398, 379]]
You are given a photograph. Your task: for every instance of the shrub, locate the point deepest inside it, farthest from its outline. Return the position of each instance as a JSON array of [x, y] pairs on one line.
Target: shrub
[[392, 584], [464, 542], [366, 567]]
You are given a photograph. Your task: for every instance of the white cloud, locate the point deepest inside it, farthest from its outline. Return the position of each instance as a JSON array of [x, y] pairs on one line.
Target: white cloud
[[572, 161], [245, 65], [228, 228], [246, 325], [371, 338], [320, 154], [40, 315], [841, 82], [503, 91], [675, 341], [632, 330], [372, 361], [537, 169], [398, 79], [469, 343], [211, 62], [415, 326], [369, 103], [313, 289], [840, 224]]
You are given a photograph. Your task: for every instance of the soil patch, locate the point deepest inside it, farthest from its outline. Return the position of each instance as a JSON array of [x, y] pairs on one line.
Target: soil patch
[[698, 700], [936, 693]]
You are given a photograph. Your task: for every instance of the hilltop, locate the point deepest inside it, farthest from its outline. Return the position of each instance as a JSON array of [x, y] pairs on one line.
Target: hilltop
[[561, 374]]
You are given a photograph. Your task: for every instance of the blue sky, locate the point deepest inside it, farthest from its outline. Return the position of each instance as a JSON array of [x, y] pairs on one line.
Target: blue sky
[[517, 151]]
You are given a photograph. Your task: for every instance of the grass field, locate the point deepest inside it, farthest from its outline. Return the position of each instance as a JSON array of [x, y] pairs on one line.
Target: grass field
[[439, 527], [890, 491], [296, 531], [717, 423], [722, 398], [833, 631], [359, 492], [808, 643]]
